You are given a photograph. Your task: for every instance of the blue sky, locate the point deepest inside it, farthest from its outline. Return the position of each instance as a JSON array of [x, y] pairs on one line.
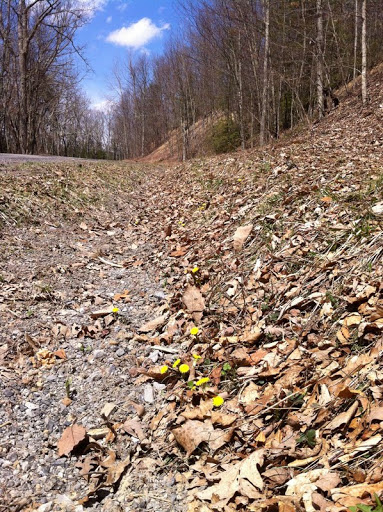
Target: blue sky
[[117, 28]]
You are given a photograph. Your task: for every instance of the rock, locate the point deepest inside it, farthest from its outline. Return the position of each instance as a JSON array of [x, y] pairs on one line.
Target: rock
[[148, 394], [120, 352], [31, 406], [154, 356], [159, 387], [46, 507], [159, 295], [98, 354]]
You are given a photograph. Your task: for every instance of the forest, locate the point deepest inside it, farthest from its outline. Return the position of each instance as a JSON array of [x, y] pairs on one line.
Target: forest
[[242, 71]]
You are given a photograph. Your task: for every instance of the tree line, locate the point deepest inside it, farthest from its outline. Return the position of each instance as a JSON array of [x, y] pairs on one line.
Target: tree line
[[240, 71], [246, 70], [42, 107]]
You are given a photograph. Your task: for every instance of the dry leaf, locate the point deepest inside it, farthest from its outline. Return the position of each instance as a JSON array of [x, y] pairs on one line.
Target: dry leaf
[[122, 296], [60, 353], [194, 302], [115, 471], [108, 409], [351, 320], [376, 414], [242, 477], [357, 491], [303, 486], [154, 324], [241, 235], [71, 437], [278, 476], [192, 434], [134, 428], [102, 312]]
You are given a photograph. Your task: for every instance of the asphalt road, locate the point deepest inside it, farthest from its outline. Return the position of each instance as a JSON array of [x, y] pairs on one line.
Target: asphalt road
[[7, 158]]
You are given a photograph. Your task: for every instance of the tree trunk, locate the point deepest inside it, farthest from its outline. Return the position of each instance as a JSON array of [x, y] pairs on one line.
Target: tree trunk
[[356, 37], [364, 53], [319, 57], [22, 34], [266, 6]]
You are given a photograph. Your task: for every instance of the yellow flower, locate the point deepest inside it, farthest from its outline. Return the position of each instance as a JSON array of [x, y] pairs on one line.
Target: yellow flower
[[164, 369], [196, 356], [202, 381], [115, 310], [195, 270], [218, 401], [184, 368], [176, 363], [194, 331]]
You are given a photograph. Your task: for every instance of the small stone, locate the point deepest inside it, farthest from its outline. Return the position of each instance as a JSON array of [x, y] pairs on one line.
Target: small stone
[[98, 354], [46, 507], [154, 356], [31, 406], [108, 409], [159, 387], [148, 394], [120, 352]]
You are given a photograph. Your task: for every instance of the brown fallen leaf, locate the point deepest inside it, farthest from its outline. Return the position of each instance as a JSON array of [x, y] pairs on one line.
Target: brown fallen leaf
[[107, 410], [218, 417], [101, 313], [115, 472], [134, 428], [192, 434], [278, 476], [60, 353], [304, 485], [154, 324], [343, 418], [70, 438], [86, 466], [194, 302], [243, 478], [241, 235], [376, 414], [122, 296], [357, 491]]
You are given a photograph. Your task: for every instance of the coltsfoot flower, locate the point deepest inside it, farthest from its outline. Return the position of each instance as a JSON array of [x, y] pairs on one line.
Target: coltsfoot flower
[[184, 368], [218, 401], [164, 369], [194, 331], [203, 381]]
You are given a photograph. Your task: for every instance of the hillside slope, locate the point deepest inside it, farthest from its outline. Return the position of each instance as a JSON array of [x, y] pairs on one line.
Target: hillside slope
[[293, 319], [260, 271]]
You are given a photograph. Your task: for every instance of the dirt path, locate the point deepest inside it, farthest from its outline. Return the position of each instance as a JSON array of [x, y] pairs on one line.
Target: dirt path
[[53, 277], [7, 158]]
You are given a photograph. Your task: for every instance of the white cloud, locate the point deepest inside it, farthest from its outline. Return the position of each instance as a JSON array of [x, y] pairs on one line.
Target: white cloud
[[123, 6], [137, 34], [109, 19], [91, 5], [102, 106]]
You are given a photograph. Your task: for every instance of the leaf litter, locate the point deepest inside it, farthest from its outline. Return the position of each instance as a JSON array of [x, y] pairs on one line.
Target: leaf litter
[[288, 300]]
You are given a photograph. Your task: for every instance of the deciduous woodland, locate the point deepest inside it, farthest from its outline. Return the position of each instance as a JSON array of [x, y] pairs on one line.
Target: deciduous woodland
[[241, 71]]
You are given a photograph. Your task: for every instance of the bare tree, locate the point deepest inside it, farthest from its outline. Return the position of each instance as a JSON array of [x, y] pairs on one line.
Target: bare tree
[[319, 57], [364, 52], [266, 7]]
